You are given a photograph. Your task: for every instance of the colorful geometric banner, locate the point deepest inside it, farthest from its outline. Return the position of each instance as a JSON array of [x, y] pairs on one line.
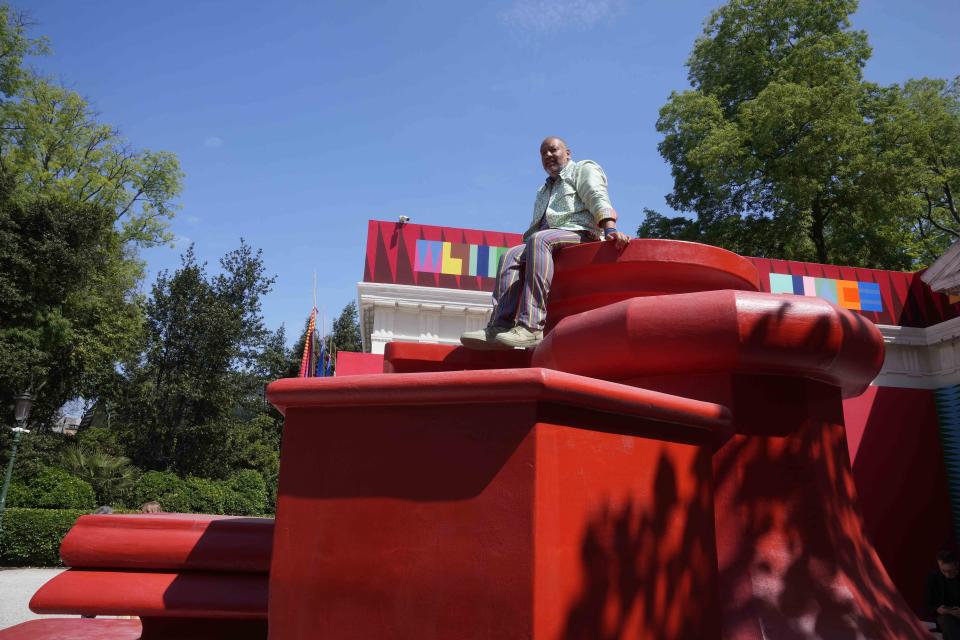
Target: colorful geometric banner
[[850, 294], [391, 257], [452, 258]]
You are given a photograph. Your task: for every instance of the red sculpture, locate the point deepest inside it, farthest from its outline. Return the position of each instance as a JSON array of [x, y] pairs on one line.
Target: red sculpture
[[669, 463]]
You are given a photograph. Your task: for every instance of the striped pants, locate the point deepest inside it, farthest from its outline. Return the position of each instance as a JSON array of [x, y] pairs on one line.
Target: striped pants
[[523, 279]]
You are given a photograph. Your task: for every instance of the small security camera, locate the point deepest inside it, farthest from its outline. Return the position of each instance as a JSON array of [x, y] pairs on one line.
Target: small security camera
[[403, 220]]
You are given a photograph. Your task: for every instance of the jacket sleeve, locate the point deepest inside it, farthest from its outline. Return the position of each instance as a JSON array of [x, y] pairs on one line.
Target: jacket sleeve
[[591, 185]]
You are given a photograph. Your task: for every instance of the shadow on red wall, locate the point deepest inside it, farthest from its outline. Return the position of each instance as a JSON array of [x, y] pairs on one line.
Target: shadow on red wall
[[898, 468], [630, 564]]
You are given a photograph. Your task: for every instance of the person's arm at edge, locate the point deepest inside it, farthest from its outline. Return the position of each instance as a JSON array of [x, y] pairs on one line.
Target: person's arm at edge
[[932, 597], [592, 188], [609, 221]]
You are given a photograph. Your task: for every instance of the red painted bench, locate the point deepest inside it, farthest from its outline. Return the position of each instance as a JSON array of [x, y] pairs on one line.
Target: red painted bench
[[185, 575]]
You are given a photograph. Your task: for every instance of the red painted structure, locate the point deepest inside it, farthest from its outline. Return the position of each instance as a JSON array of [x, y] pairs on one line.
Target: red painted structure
[[186, 576], [907, 523], [679, 471], [897, 456], [355, 364]]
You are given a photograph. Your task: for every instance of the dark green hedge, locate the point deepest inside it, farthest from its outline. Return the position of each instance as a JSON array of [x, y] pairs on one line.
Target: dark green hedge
[[31, 537], [52, 488], [242, 494]]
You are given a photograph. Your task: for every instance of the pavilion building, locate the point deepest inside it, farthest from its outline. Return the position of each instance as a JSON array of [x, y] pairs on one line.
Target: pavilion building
[[429, 284]]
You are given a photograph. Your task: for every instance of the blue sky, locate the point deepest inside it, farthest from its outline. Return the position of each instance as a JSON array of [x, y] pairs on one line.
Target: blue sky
[[296, 122]]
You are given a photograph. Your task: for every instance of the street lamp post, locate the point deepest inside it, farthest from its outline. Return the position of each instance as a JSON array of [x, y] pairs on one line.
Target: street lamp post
[[21, 411]]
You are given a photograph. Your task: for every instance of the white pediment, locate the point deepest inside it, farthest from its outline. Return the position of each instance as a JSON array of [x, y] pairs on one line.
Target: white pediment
[[943, 276]]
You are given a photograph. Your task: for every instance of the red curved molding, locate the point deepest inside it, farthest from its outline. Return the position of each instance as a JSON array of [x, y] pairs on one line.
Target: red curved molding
[[496, 386], [237, 596], [74, 629], [595, 274], [718, 332], [169, 541]]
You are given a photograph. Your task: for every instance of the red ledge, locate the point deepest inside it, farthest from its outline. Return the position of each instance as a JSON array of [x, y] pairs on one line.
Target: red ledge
[[497, 386], [237, 596], [74, 629], [666, 253], [170, 541], [413, 357]]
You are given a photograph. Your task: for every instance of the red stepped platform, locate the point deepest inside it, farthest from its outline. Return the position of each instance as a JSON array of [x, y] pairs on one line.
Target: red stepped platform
[[460, 505], [186, 576], [670, 463]]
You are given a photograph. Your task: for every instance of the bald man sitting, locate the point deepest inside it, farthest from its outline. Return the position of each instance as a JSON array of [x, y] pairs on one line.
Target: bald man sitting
[[572, 206]]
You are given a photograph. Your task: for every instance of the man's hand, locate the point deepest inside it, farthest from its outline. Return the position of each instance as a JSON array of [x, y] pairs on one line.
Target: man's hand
[[619, 238]]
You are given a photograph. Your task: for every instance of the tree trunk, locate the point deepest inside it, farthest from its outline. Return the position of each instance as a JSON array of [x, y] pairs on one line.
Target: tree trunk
[[816, 230]]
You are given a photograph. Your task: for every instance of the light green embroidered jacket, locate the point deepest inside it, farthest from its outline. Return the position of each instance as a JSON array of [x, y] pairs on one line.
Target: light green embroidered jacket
[[576, 201]]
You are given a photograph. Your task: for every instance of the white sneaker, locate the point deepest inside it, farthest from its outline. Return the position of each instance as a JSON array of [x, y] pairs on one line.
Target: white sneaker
[[484, 339], [520, 338]]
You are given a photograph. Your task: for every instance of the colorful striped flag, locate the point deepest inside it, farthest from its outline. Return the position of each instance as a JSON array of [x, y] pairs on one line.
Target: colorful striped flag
[[307, 360]]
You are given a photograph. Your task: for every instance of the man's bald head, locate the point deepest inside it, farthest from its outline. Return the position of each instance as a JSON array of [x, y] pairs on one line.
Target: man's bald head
[[554, 154], [554, 139]]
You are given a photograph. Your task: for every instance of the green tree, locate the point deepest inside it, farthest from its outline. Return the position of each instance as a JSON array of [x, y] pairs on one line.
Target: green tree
[[52, 144], [775, 148], [923, 134], [15, 45], [189, 401], [346, 329], [76, 202], [68, 309]]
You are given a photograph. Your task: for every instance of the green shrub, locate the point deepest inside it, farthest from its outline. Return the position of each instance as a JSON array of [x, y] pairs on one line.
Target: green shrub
[[110, 476], [158, 485], [51, 488], [247, 494], [243, 493], [32, 537], [205, 495]]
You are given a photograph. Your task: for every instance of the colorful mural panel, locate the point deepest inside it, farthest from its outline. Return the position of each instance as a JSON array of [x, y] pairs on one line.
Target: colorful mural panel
[[850, 294], [429, 256], [888, 297], [457, 259], [414, 254]]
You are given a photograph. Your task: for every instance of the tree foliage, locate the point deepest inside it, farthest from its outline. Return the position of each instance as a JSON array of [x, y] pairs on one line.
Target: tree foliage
[[15, 45], [177, 376], [346, 329], [924, 130], [111, 477], [53, 144], [68, 312], [76, 202], [781, 149], [190, 401]]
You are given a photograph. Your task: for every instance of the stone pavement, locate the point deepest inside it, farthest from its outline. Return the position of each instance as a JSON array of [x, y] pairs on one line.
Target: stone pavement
[[17, 586]]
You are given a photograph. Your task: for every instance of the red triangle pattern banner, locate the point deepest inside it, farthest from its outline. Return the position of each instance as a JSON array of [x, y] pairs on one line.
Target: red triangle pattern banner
[[457, 258]]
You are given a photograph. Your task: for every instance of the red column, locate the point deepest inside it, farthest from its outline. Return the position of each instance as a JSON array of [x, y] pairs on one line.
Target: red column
[[493, 504]]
